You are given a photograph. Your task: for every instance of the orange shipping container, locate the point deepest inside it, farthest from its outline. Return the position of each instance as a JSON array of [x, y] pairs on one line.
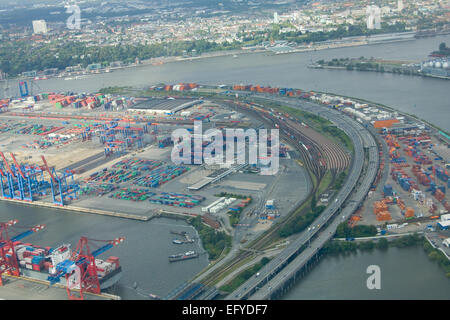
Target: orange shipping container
[[409, 212], [385, 123]]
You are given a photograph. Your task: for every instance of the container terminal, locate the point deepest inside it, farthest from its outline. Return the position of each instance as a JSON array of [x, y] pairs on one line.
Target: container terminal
[[73, 151]]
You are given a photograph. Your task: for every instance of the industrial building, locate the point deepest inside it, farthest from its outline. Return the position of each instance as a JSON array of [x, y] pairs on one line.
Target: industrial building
[[167, 106], [444, 225], [40, 26]]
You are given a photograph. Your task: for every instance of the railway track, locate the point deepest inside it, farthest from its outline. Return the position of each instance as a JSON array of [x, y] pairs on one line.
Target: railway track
[[317, 161]]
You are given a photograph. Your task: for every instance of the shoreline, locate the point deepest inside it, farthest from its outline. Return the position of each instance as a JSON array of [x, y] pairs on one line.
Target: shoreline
[[423, 75], [317, 46], [38, 203], [382, 106]]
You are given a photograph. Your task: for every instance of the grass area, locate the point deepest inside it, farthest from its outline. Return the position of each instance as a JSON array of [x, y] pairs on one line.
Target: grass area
[[324, 126], [234, 218], [244, 276], [117, 90], [301, 222], [325, 182], [236, 266], [340, 179], [213, 241], [344, 231]]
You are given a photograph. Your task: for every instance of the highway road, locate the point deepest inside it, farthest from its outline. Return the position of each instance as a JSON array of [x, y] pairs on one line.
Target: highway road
[[278, 270]]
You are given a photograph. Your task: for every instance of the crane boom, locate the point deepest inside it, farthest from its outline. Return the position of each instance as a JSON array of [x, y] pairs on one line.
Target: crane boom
[[25, 233], [48, 169], [107, 246], [6, 163], [17, 165]]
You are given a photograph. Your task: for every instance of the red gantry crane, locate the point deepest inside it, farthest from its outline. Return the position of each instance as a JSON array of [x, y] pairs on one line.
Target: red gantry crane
[[80, 269], [8, 258]]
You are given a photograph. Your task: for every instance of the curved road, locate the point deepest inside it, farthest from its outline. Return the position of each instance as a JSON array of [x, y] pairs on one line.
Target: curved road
[[274, 275]]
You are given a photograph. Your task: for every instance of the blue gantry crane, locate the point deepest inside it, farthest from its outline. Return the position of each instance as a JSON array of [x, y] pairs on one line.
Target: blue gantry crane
[[21, 182], [61, 189], [23, 87]]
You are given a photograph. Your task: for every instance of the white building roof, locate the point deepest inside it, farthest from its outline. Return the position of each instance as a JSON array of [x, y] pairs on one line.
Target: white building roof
[[444, 223]]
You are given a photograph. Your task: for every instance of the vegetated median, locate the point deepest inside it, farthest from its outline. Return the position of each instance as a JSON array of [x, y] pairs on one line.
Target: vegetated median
[[244, 276], [213, 241], [321, 125], [301, 222]]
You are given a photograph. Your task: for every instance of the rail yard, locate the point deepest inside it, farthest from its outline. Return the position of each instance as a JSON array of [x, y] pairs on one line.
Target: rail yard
[[112, 155]]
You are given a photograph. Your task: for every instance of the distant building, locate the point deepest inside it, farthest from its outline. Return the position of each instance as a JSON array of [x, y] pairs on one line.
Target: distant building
[[116, 64], [74, 68], [40, 26], [29, 73], [373, 19], [94, 66], [436, 67], [443, 225], [275, 18], [400, 5]]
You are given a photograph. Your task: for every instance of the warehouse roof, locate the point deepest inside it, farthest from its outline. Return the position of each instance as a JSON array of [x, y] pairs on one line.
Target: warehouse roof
[[444, 223], [170, 105]]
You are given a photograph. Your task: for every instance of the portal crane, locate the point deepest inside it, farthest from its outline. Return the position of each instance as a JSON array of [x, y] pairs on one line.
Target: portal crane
[[80, 270], [59, 184]]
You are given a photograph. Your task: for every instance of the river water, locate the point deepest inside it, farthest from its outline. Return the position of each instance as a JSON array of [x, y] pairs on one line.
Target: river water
[[406, 273], [428, 98], [144, 253]]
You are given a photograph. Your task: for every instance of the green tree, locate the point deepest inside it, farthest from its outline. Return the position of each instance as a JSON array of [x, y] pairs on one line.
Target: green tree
[[382, 244]]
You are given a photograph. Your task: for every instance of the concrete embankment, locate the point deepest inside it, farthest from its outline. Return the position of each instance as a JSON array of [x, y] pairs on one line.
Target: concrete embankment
[[25, 288], [85, 210]]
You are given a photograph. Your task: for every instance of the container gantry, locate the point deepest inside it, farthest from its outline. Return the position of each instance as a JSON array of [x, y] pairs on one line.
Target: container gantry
[[61, 188], [8, 259]]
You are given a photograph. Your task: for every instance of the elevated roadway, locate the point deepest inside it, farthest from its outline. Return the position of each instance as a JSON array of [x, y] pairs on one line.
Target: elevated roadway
[[275, 275]]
